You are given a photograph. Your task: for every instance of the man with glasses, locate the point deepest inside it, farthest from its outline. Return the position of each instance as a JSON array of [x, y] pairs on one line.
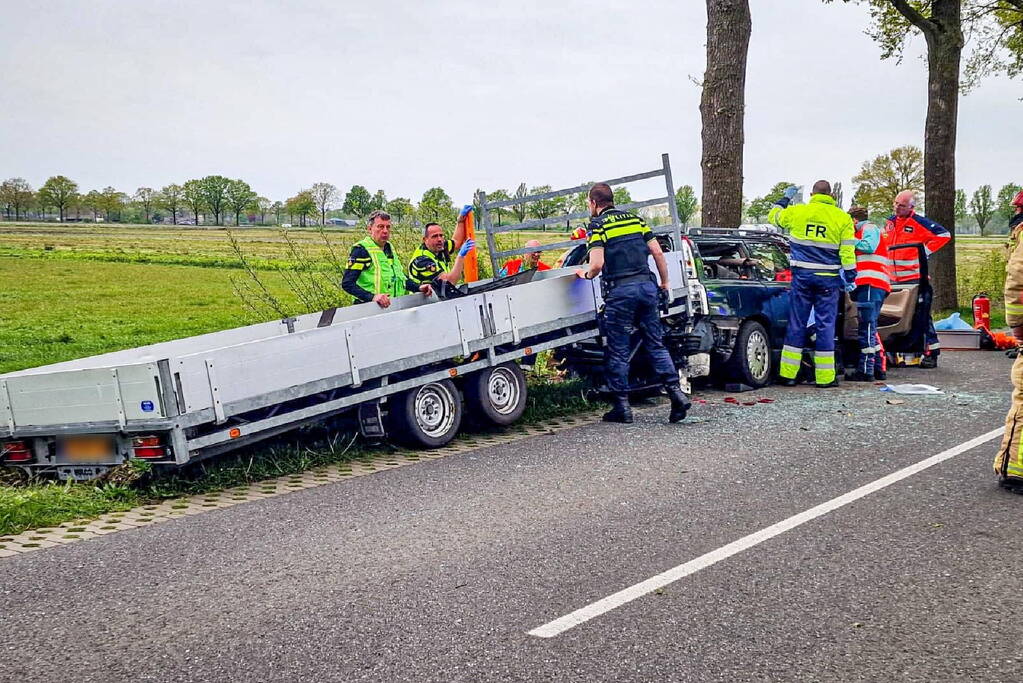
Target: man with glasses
[[908, 227]]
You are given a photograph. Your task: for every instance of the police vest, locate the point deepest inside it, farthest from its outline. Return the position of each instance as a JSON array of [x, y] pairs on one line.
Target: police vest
[[438, 264], [386, 275], [873, 268], [623, 236]]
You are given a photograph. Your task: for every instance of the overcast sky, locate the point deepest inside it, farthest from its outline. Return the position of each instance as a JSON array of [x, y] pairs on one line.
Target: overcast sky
[[458, 93]]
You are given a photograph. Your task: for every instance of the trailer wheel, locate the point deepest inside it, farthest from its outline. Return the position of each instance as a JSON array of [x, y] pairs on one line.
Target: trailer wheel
[[497, 395], [751, 361], [428, 416]]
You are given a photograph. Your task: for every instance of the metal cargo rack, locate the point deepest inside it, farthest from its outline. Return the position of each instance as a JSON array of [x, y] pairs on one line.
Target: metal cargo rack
[[216, 392]]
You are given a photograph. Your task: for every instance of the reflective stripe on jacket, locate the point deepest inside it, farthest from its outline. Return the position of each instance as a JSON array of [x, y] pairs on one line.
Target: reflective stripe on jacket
[[913, 229], [821, 235], [873, 268], [1014, 283]]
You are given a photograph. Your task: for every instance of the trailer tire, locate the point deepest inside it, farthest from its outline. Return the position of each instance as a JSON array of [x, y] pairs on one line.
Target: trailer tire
[[751, 362], [427, 416], [497, 396]]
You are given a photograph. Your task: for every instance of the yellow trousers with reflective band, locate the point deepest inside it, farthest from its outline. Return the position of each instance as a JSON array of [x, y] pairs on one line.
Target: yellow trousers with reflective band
[[823, 364], [1009, 461]]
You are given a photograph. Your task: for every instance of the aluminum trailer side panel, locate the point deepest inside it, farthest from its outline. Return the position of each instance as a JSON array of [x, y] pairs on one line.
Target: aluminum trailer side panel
[[121, 394]]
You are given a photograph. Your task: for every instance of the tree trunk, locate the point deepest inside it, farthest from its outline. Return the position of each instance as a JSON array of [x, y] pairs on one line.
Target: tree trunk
[[722, 108], [944, 50]]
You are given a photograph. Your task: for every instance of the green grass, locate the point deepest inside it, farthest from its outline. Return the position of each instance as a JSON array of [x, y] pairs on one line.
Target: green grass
[[46, 505], [52, 311]]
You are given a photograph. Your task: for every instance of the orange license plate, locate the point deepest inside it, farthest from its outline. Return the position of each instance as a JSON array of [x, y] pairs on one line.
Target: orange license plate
[[87, 448]]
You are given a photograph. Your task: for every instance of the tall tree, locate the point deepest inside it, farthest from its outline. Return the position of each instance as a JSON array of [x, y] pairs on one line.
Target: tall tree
[[357, 202], [521, 209], [238, 197], [400, 209], [113, 203], [263, 206], [302, 205], [146, 197], [436, 205], [1005, 210], [325, 195], [544, 208], [278, 209], [722, 108], [498, 196], [214, 194], [962, 208], [194, 197], [884, 176], [58, 191], [379, 201], [982, 206], [94, 202], [686, 203], [171, 199], [943, 24], [17, 195], [836, 192]]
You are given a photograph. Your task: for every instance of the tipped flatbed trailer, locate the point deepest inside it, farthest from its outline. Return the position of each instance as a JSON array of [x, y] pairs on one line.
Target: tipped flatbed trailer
[[406, 370]]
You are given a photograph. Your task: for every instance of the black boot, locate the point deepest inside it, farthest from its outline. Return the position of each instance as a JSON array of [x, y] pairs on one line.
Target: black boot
[[859, 376], [929, 361], [620, 410], [680, 403]]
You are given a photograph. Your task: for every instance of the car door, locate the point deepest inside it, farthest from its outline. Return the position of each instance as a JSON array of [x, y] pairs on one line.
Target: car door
[[770, 268]]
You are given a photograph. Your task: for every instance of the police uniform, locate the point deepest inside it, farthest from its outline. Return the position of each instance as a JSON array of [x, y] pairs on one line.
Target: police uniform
[[630, 301], [425, 266], [822, 241], [1009, 461], [372, 270]]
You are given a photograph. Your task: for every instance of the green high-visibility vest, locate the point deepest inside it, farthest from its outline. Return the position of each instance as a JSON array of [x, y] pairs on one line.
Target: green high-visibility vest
[[386, 275]]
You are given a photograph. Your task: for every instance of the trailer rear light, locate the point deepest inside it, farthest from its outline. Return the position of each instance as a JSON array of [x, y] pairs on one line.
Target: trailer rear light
[[148, 447], [15, 451]]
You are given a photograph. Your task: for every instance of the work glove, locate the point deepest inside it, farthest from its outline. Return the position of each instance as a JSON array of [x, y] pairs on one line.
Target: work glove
[[465, 210], [467, 246], [787, 196], [848, 280]]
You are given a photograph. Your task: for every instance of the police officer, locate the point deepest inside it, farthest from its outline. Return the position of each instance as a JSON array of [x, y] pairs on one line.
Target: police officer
[[438, 259], [619, 243], [823, 260], [374, 272]]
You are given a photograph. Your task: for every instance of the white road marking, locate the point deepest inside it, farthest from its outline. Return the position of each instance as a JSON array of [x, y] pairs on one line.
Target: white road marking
[[584, 614]]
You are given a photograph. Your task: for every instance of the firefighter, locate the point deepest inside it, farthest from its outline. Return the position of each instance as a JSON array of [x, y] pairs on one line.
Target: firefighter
[[1009, 461], [619, 243], [906, 226], [823, 261], [374, 272], [873, 283], [439, 259]]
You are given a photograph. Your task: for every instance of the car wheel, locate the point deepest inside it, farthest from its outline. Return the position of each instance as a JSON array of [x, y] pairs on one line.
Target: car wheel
[[751, 362]]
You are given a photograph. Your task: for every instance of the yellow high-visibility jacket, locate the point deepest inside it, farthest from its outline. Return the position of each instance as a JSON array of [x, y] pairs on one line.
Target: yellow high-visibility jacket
[[822, 236]]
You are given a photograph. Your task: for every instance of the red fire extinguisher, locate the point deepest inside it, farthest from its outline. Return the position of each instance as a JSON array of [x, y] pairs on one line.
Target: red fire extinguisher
[[982, 311]]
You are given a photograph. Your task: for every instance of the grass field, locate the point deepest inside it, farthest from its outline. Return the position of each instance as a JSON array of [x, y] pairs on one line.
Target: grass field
[[76, 290]]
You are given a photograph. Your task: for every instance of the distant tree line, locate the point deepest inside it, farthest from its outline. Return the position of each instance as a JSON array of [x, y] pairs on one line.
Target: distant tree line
[[218, 200]]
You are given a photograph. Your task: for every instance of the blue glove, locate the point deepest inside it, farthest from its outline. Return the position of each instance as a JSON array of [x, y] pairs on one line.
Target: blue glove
[[467, 246], [787, 196], [465, 209], [848, 280]]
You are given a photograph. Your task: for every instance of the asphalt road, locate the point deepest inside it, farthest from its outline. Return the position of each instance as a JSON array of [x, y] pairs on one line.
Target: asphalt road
[[438, 571]]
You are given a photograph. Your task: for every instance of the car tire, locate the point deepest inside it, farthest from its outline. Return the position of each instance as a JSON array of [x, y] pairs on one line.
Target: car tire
[[751, 361], [427, 416], [496, 396]]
